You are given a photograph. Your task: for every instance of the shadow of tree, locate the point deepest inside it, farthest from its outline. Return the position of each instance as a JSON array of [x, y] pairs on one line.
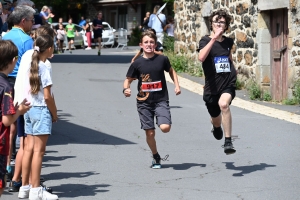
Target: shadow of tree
[[183, 166], [247, 169], [78, 190], [67, 175], [65, 132]]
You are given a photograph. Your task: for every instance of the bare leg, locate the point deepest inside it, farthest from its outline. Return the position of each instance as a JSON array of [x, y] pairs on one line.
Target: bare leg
[[99, 43], [150, 137], [38, 154], [18, 163], [165, 128], [27, 159], [224, 102], [12, 134]]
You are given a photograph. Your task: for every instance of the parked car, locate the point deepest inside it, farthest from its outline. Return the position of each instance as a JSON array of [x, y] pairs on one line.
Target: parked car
[[108, 37], [78, 40]]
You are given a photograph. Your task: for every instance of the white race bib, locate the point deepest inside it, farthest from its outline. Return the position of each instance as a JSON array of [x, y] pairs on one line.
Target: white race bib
[[222, 64]]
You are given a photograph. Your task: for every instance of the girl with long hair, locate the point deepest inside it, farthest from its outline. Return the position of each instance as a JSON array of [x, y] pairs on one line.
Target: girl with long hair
[[38, 122]]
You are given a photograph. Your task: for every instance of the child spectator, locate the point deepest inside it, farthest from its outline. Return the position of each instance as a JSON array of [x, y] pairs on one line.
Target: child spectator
[[9, 112], [61, 37]]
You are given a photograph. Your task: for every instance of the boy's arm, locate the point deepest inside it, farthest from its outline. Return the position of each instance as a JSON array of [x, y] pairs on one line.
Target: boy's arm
[[174, 77], [126, 86], [136, 56], [21, 109]]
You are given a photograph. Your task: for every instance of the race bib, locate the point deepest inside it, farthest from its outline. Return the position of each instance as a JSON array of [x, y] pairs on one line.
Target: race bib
[[222, 64], [151, 86]]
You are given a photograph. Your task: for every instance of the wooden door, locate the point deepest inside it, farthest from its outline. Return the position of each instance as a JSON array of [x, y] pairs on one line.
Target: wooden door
[[279, 58]]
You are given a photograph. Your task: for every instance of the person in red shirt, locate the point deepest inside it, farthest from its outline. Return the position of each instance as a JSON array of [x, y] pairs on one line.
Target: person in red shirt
[[9, 112]]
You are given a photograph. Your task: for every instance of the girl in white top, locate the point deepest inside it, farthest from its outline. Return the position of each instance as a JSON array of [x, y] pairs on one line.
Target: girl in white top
[[169, 28], [38, 122], [61, 36]]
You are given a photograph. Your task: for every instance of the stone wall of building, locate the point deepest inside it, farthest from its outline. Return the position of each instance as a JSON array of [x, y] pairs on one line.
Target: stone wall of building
[[294, 41], [249, 29], [192, 23]]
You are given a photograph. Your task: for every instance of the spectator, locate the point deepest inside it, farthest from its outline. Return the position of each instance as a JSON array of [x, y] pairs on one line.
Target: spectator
[[22, 19], [169, 28], [145, 22], [51, 15], [1, 22], [157, 22], [82, 22], [9, 113], [88, 34], [45, 14], [60, 37], [4, 18]]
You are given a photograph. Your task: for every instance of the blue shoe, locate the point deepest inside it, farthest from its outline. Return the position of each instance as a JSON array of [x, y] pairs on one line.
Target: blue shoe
[[155, 164], [14, 186]]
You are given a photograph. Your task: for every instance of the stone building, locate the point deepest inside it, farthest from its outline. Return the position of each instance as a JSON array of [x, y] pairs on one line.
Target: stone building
[[266, 35]]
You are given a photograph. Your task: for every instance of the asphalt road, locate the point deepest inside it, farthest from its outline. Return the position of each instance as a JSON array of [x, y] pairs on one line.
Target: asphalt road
[[98, 151]]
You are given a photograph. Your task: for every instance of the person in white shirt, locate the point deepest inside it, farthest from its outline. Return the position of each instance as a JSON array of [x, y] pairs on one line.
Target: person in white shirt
[[157, 22], [169, 28]]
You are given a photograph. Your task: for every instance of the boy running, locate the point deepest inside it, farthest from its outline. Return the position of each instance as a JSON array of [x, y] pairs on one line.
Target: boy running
[[152, 98], [70, 29]]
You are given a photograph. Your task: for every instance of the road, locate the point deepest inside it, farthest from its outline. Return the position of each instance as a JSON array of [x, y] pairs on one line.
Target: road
[[98, 151]]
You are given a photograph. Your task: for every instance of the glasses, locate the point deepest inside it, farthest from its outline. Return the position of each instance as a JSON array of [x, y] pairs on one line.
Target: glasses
[[16, 57], [220, 23]]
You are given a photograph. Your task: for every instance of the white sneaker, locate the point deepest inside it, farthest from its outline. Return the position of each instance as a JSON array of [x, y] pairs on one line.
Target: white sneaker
[[41, 194], [88, 48], [24, 192]]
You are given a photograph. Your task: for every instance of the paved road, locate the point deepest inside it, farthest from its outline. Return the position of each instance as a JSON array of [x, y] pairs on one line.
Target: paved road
[[97, 150]]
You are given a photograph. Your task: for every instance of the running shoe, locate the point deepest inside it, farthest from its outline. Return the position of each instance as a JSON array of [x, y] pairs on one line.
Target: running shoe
[[70, 52], [156, 162], [14, 186], [99, 53], [42, 194], [228, 147], [217, 132], [24, 192], [48, 189]]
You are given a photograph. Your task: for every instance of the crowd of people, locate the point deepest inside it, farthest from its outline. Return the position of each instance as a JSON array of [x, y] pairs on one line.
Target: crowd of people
[[27, 103]]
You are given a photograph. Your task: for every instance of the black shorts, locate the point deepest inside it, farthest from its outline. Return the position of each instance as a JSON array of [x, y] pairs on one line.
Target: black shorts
[[212, 101], [147, 112], [3, 160], [21, 126], [70, 38], [97, 35]]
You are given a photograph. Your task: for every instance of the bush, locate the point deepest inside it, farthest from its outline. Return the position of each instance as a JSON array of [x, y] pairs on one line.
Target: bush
[[168, 43], [254, 90], [267, 96], [135, 36], [182, 64], [239, 84]]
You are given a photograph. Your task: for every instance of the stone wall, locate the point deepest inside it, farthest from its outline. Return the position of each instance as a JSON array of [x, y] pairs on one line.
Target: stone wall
[[192, 23], [249, 29]]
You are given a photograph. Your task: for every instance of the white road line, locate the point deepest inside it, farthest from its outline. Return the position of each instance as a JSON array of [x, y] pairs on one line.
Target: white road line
[[238, 102]]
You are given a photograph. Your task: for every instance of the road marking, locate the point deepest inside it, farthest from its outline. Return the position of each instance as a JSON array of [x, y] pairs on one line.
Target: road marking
[[238, 102]]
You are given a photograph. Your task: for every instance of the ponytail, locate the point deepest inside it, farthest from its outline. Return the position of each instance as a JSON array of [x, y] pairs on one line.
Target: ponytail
[[42, 43]]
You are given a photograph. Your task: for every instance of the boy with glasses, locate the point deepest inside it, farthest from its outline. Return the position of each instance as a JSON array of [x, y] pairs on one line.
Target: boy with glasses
[[220, 76]]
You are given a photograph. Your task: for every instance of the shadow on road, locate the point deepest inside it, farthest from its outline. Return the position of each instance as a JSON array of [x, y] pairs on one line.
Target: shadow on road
[[67, 175], [183, 166], [247, 169], [79, 190], [80, 59], [65, 132]]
